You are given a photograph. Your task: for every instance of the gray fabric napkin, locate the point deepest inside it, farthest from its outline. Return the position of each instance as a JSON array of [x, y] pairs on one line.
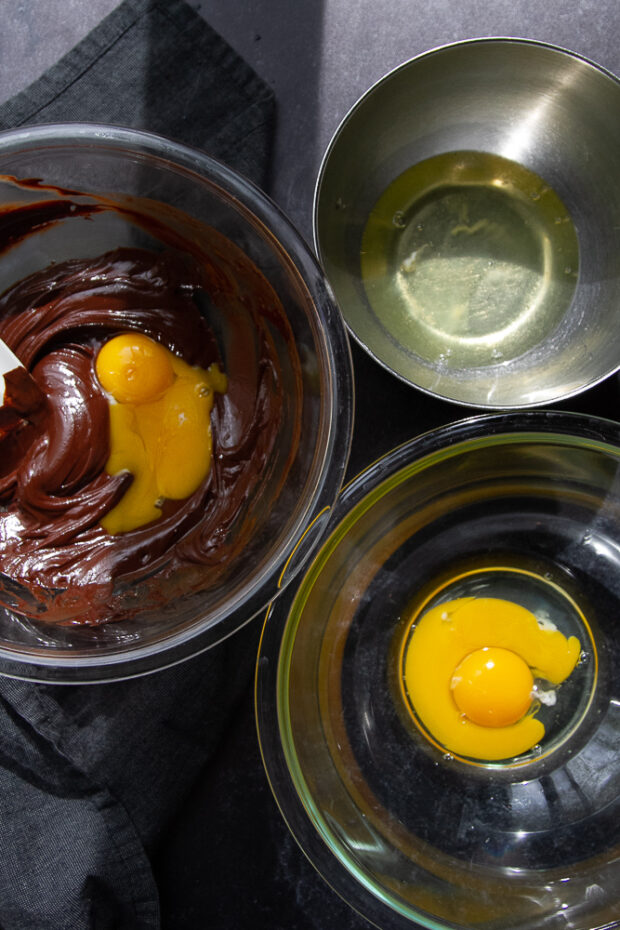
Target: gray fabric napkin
[[157, 65], [92, 776]]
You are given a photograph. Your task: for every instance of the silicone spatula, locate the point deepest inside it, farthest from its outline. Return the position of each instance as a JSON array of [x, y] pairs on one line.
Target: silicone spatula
[[20, 395]]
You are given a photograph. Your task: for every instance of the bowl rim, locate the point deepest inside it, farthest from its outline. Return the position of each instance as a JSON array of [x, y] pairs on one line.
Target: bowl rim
[[256, 206]]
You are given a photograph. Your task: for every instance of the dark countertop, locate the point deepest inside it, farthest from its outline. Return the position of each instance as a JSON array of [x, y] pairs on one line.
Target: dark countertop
[[229, 861]]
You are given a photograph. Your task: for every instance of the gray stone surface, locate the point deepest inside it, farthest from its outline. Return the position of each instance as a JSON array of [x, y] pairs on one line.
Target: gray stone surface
[[318, 55]]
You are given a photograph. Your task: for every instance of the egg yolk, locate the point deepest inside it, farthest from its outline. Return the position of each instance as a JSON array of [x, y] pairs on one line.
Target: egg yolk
[[469, 670], [160, 425], [133, 368], [493, 686]]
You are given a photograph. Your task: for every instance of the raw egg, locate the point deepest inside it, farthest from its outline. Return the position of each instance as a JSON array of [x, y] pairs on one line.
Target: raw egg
[[160, 425], [469, 671]]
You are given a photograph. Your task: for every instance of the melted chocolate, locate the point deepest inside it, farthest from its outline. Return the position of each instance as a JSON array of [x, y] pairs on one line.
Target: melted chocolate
[[53, 484]]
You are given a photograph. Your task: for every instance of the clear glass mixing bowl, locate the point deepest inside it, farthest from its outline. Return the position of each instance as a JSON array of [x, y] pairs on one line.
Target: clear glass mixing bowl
[[407, 832], [138, 181]]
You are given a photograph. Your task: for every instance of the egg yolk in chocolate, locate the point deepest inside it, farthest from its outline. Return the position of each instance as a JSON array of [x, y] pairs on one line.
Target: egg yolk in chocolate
[[134, 368], [160, 425], [469, 671]]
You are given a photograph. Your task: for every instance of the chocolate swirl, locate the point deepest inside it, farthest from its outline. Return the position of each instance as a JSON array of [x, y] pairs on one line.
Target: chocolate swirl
[[53, 485]]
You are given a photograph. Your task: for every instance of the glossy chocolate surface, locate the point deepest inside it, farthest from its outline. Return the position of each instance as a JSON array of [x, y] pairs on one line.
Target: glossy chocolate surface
[[57, 563]]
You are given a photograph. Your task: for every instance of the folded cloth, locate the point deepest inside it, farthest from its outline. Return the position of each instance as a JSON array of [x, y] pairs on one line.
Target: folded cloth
[[91, 776], [157, 65]]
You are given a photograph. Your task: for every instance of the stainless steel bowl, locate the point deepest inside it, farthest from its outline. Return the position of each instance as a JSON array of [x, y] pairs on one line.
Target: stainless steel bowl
[[513, 301]]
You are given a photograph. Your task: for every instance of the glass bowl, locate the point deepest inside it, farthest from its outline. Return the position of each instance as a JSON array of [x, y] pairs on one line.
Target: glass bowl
[[522, 506], [78, 191]]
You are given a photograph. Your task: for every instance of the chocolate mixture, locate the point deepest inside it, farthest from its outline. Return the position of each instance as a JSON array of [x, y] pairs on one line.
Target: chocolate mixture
[[53, 485]]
